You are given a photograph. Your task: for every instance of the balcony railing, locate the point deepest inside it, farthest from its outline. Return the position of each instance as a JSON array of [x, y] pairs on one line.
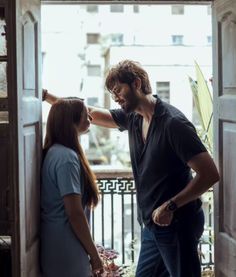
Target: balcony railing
[[114, 222]]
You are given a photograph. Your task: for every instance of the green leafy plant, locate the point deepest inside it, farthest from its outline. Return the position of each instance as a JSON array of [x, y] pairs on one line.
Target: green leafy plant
[[203, 101], [204, 104], [130, 270]]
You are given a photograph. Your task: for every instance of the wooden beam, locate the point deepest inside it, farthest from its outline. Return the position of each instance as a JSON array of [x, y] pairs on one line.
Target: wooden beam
[[100, 2]]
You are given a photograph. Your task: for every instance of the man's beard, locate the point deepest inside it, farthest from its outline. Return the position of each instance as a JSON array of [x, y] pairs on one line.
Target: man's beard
[[130, 103]]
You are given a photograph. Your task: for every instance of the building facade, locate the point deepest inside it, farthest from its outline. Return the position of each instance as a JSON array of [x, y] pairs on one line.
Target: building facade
[[83, 41]]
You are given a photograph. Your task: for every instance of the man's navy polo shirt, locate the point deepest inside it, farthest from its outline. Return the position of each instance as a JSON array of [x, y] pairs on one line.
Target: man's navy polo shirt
[[160, 165]]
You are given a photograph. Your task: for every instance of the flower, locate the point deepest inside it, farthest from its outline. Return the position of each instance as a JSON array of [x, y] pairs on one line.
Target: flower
[[108, 256]]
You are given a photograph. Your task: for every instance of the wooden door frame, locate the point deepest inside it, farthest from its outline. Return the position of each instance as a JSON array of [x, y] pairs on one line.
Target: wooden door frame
[[224, 108], [13, 120], [137, 2], [13, 83], [13, 135]]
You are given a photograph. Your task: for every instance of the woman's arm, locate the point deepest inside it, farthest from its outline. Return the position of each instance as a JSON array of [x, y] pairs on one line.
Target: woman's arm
[[78, 221]]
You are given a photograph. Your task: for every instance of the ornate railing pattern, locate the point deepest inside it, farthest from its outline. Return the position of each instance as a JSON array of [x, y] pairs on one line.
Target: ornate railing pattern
[[114, 222]]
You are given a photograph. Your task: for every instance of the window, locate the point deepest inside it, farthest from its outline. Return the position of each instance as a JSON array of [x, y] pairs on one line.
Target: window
[[116, 8], [92, 101], [163, 91], [3, 42], [93, 38], [92, 8], [3, 79], [208, 10], [209, 39], [177, 39], [117, 39], [136, 8], [94, 70], [177, 9]]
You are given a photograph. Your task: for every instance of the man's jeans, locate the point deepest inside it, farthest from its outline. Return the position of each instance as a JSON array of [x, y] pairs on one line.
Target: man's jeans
[[171, 251]]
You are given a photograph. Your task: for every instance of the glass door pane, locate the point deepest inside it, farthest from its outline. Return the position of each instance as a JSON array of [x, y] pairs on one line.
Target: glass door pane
[[3, 42], [4, 117], [3, 79]]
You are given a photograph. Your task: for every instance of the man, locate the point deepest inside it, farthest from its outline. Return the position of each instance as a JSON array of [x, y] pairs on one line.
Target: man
[[164, 149]]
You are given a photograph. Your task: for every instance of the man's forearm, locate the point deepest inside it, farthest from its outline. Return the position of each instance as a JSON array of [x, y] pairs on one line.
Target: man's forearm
[[48, 97], [206, 176], [100, 116], [196, 187]]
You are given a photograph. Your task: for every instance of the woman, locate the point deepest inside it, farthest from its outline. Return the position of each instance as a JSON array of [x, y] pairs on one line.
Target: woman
[[68, 190]]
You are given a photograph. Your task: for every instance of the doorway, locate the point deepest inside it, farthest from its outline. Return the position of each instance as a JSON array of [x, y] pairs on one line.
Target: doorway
[[78, 50], [22, 18]]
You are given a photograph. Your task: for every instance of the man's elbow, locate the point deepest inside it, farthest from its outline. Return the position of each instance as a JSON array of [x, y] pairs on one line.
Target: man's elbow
[[214, 177]]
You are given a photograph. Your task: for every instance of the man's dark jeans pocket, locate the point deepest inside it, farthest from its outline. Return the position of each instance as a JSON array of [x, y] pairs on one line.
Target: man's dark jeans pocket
[[178, 245]]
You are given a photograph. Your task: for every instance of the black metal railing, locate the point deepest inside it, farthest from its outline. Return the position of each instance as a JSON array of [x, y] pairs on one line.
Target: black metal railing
[[114, 222]]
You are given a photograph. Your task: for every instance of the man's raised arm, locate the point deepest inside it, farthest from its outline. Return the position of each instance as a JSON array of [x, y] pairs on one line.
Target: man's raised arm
[[101, 117], [48, 97]]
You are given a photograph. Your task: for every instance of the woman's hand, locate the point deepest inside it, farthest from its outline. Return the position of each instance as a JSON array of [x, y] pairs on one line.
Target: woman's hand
[[161, 216], [97, 266]]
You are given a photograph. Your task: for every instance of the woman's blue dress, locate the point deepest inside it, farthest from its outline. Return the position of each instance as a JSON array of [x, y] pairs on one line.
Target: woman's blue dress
[[62, 254]]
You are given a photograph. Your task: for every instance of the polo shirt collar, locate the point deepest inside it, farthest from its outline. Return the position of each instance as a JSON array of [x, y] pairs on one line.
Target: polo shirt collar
[[159, 108], [159, 111]]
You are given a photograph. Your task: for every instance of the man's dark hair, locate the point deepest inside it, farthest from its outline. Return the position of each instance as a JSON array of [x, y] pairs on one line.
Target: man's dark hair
[[127, 72]]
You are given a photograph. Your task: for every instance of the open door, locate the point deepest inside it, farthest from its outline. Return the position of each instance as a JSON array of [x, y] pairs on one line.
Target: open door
[[224, 75], [25, 86]]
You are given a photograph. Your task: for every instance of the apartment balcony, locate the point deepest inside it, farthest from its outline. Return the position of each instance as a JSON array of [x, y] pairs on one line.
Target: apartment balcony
[[114, 222]]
